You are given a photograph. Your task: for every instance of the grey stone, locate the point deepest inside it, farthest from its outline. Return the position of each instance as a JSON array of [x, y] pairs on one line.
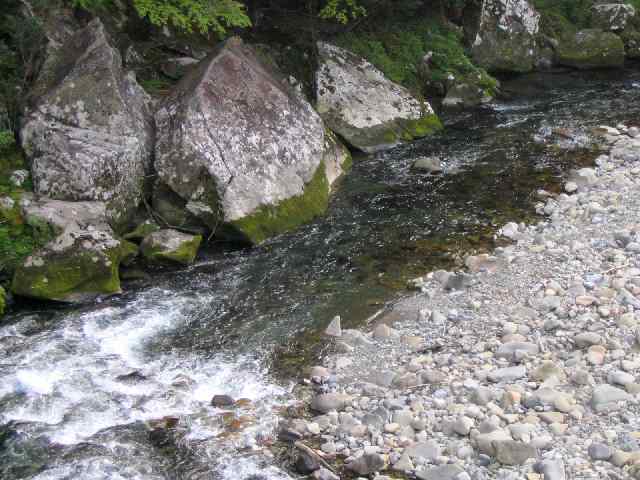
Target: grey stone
[[89, 134], [444, 472], [330, 401], [611, 16], [168, 245], [334, 329], [507, 374], [233, 95], [606, 398], [509, 350], [367, 464], [428, 164], [360, 104], [426, 451], [551, 469], [511, 452], [502, 34], [324, 474], [600, 451]]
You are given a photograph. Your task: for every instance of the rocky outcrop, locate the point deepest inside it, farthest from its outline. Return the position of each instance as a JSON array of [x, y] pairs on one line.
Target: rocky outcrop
[[89, 131], [170, 246], [241, 150], [364, 107], [611, 16], [502, 34], [591, 48], [465, 95], [82, 260]]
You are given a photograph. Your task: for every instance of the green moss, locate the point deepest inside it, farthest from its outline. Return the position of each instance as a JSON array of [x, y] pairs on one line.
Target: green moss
[[72, 274], [560, 18], [398, 45], [185, 254], [3, 301], [270, 220], [390, 136], [18, 236], [142, 230], [427, 125], [591, 49]]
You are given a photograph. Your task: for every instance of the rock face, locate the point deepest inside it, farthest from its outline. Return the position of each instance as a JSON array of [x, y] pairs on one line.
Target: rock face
[[591, 48], [240, 148], [89, 130], [502, 34], [170, 246], [81, 262], [364, 107], [611, 16]]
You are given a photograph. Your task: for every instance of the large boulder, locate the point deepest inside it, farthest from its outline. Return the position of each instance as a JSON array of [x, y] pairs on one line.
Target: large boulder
[[502, 34], [611, 16], [82, 260], [591, 48], [240, 149], [365, 108], [88, 132]]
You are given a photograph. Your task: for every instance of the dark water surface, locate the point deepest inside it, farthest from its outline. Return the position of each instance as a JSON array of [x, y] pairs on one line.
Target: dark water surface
[[82, 389]]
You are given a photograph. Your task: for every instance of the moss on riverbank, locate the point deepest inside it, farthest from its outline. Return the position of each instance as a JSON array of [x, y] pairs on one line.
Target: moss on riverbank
[[17, 238], [397, 47]]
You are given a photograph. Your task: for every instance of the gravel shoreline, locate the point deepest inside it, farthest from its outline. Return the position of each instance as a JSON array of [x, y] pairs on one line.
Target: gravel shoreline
[[525, 366]]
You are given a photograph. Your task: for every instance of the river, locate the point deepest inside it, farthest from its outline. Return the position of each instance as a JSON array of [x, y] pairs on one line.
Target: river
[[86, 391]]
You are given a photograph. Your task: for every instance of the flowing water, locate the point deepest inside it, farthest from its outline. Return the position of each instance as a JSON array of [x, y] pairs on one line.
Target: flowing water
[[121, 389]]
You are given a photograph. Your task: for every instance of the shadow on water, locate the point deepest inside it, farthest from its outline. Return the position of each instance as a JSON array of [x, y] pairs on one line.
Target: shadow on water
[[239, 317]]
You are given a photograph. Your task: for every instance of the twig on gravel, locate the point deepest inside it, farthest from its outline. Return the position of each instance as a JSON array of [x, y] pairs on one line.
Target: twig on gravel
[[314, 454], [613, 269]]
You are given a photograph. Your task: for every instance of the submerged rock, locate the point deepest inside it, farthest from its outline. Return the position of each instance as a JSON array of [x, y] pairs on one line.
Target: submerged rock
[[241, 149], [591, 49], [80, 262], [364, 107], [503, 34], [89, 131], [170, 246]]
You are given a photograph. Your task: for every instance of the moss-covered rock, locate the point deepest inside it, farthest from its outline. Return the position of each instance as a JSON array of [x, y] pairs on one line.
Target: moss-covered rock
[[270, 220], [170, 246], [591, 48], [142, 230], [76, 266], [364, 107]]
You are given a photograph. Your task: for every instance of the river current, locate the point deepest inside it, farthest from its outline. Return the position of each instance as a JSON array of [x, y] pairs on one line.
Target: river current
[[121, 389]]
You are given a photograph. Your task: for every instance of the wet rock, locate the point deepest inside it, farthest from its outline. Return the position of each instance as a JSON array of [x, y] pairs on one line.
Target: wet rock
[[365, 108], [600, 451], [170, 246], [89, 134], [592, 48], [428, 164], [221, 401]]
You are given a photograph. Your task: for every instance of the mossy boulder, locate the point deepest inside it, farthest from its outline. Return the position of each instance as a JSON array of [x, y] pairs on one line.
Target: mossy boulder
[[502, 34], [170, 246], [235, 141], [77, 266], [82, 259], [466, 95], [591, 49], [364, 107]]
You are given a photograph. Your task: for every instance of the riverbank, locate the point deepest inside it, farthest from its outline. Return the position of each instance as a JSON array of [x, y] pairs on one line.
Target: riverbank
[[524, 366]]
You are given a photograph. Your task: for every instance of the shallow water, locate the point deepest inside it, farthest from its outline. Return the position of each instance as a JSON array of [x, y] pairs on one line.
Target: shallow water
[[83, 390]]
